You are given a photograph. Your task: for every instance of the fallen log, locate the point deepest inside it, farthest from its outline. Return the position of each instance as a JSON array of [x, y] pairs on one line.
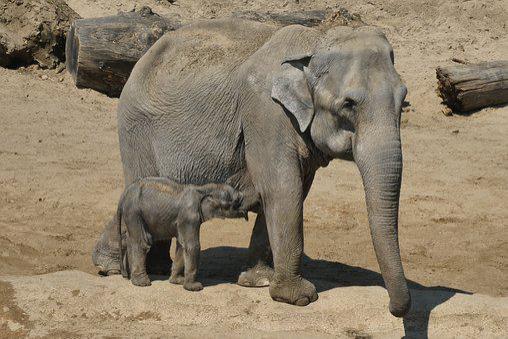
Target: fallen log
[[101, 52], [304, 18], [473, 86], [338, 16]]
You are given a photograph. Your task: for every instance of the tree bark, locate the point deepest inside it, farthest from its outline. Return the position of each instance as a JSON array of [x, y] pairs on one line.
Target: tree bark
[[101, 52], [304, 18], [338, 16], [470, 87]]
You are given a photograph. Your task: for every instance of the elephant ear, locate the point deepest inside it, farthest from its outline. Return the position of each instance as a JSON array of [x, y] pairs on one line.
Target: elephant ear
[[290, 88]]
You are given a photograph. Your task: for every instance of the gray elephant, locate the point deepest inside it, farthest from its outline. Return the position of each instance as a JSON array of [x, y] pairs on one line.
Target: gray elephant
[[155, 209], [262, 108]]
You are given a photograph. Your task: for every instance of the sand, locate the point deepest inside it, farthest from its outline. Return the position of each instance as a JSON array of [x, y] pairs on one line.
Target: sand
[[60, 178], [74, 303]]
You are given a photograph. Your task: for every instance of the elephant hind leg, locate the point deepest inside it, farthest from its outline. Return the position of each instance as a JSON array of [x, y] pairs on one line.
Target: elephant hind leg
[[106, 254], [138, 162], [138, 242], [259, 271]]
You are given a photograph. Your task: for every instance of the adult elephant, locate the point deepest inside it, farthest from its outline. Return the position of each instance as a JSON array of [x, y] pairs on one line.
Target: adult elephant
[[262, 109]]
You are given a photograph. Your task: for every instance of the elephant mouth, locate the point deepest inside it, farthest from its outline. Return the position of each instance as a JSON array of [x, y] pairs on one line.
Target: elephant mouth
[[347, 155], [236, 213], [341, 147], [242, 214]]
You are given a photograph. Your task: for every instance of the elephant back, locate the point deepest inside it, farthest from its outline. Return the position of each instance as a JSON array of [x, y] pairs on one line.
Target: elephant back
[[201, 47]]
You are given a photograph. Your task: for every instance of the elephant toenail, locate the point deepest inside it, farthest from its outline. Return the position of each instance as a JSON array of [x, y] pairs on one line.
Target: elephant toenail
[[302, 302]]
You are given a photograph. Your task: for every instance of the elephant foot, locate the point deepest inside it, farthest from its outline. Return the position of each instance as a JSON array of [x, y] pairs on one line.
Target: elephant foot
[[176, 279], [193, 286], [297, 291], [141, 280], [257, 276], [107, 262]]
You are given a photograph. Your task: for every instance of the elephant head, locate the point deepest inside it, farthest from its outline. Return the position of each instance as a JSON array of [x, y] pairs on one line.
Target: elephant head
[[347, 95]]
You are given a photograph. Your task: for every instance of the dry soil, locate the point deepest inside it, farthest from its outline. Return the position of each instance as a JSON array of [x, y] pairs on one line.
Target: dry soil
[[60, 178]]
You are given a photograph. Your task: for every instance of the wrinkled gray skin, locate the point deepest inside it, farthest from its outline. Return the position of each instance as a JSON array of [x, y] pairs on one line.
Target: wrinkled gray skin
[[156, 209], [262, 109]]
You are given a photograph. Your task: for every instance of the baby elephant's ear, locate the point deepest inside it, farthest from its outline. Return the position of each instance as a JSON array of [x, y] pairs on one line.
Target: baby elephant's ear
[[290, 88]]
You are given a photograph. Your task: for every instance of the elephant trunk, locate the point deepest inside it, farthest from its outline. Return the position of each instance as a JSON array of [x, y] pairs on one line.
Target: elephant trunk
[[379, 160]]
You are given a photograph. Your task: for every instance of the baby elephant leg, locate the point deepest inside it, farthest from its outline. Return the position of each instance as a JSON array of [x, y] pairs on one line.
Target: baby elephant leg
[[138, 244], [188, 235], [177, 269]]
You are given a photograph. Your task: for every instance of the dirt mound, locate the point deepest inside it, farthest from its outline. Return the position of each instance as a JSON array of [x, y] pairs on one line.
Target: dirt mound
[[34, 32], [72, 303]]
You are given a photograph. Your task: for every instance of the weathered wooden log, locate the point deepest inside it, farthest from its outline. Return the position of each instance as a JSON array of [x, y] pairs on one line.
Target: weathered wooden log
[[101, 52], [473, 86], [338, 16], [304, 18]]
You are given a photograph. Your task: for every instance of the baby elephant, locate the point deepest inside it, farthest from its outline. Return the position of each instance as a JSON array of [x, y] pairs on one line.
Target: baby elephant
[[154, 209]]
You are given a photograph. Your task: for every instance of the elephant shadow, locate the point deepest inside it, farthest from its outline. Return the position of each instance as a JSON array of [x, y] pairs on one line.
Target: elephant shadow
[[223, 264], [327, 275]]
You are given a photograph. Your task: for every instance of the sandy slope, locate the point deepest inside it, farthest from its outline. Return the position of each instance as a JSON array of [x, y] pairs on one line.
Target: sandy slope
[[60, 178], [70, 303]]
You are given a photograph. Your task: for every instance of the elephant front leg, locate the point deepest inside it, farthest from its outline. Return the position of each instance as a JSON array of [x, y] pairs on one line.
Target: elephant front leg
[[188, 237], [284, 216], [258, 272], [177, 270]]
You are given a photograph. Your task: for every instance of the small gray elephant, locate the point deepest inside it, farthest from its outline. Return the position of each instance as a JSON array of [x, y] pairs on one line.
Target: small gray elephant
[[155, 209]]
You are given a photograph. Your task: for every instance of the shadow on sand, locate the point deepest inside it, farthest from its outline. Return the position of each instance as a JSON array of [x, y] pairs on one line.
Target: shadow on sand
[[223, 265]]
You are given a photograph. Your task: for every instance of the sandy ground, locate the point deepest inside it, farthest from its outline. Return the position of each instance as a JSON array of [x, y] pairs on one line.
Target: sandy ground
[[60, 178], [74, 303]]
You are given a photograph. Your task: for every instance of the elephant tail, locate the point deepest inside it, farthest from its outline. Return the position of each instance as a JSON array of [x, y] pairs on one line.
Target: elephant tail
[[118, 226]]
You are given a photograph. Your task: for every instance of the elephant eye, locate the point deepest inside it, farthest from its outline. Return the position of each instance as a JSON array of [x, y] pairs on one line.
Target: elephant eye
[[348, 103], [343, 106]]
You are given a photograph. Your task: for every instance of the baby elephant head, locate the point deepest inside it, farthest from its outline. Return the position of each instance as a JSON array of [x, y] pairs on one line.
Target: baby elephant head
[[223, 202]]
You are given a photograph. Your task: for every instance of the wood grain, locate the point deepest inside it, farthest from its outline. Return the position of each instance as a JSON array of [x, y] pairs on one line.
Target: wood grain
[[101, 52], [470, 87]]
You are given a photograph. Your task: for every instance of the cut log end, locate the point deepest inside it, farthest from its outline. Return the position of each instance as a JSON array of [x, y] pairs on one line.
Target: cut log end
[[71, 52], [466, 88], [101, 52]]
